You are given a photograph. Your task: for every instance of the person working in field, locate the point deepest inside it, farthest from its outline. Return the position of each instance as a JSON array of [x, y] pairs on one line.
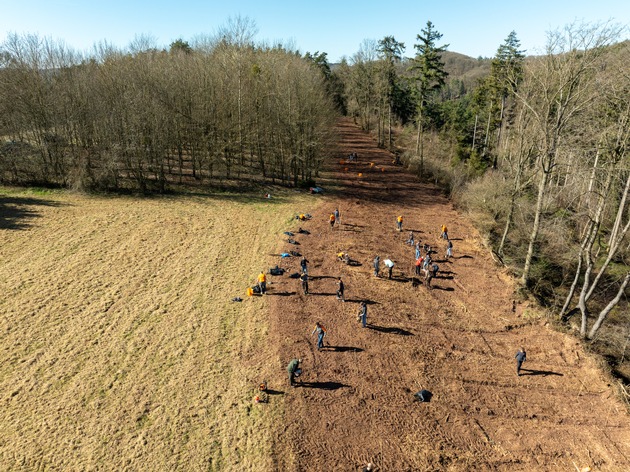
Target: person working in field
[[377, 265], [294, 370], [399, 223], [331, 219], [321, 332], [340, 290], [262, 283], [304, 282]]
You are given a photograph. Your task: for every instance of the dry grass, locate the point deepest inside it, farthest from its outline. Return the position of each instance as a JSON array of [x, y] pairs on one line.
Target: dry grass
[[120, 347]]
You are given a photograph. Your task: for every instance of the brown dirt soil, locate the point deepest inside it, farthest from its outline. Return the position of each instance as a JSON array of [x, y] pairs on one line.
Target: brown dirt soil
[[458, 340]]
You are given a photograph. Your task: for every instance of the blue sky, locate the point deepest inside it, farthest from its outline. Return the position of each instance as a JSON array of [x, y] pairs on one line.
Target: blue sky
[[336, 27]]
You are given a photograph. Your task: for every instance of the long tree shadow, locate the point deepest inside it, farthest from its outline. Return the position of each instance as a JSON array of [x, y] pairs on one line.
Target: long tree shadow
[[323, 385], [343, 349], [390, 330], [544, 373], [16, 212]]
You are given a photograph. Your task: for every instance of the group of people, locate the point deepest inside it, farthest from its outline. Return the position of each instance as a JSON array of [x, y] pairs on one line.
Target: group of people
[[334, 219]]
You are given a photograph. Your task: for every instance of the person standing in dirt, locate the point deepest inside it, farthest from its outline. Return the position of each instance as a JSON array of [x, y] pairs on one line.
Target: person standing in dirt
[[410, 239], [303, 265], [332, 220], [337, 217], [418, 250], [262, 283], [363, 314], [340, 290], [428, 276], [321, 332], [390, 268], [444, 232], [449, 249], [294, 370], [418, 265], [521, 356], [434, 269], [399, 223], [377, 265], [304, 281]]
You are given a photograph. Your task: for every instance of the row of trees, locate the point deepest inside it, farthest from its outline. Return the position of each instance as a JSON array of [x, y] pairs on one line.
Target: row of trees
[[223, 108], [541, 144]]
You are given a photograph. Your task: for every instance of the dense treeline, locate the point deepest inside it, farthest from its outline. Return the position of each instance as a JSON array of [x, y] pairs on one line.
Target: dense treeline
[[144, 118], [537, 150]]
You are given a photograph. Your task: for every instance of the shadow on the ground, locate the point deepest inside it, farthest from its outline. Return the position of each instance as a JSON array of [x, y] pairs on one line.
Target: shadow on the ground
[[282, 294], [323, 385], [359, 300], [390, 330], [274, 392], [322, 294], [544, 373], [343, 349], [445, 289], [17, 212]]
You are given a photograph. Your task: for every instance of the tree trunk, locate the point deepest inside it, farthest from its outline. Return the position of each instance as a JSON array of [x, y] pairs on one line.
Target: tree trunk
[[620, 212], [578, 270], [536, 227], [604, 313]]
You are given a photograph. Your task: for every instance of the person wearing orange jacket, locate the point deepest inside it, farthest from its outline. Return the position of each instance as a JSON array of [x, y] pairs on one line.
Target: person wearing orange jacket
[[399, 223], [332, 220]]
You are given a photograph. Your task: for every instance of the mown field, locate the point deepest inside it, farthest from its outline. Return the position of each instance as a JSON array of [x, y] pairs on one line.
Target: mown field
[[120, 347]]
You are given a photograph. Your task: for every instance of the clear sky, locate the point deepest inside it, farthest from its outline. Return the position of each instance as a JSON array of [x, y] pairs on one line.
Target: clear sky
[[474, 28]]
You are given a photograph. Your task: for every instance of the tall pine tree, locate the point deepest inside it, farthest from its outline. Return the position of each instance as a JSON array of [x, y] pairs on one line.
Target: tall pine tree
[[429, 74]]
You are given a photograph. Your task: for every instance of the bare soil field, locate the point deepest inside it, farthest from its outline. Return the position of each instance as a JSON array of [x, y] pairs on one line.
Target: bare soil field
[[457, 340], [120, 347]]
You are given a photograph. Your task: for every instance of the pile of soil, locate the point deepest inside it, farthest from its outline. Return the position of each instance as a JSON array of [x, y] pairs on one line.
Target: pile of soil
[[458, 340]]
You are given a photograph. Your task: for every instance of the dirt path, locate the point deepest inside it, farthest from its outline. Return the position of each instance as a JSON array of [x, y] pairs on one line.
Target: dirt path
[[457, 340]]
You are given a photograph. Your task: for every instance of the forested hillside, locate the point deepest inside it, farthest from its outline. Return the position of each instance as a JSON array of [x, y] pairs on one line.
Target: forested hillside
[[534, 147]]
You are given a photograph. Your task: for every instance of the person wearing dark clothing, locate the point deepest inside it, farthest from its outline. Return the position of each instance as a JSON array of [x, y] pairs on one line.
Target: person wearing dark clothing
[[449, 249], [340, 290], [303, 263], [377, 264], [304, 280], [363, 314], [521, 356], [337, 217], [294, 370], [434, 269]]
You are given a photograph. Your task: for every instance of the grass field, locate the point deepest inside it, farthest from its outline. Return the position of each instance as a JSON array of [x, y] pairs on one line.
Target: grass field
[[120, 346]]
